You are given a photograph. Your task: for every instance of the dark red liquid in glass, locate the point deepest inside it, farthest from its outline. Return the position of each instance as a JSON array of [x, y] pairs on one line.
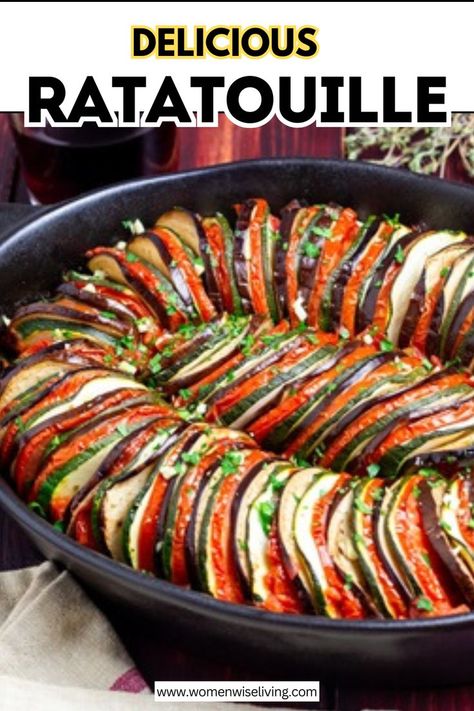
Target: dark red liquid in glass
[[59, 163]]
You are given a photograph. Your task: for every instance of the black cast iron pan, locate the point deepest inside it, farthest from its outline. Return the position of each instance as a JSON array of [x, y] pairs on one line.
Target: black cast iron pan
[[437, 651]]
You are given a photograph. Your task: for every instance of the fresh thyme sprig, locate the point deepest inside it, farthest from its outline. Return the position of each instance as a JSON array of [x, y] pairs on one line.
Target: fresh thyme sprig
[[422, 150]]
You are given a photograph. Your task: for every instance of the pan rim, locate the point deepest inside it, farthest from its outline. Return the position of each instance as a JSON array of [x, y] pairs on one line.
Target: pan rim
[[155, 588]]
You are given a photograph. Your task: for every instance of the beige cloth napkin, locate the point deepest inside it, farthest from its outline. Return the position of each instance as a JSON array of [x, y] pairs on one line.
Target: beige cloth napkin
[[59, 653]]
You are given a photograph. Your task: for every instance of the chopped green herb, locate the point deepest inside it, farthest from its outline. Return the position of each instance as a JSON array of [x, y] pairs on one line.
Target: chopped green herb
[[311, 250], [444, 272], [471, 523], [154, 364], [358, 539], [130, 257], [187, 329], [186, 414], [20, 425], [427, 365], [392, 221], [191, 457], [324, 232], [54, 442], [445, 526], [276, 483], [185, 393], [242, 544], [428, 471], [230, 462], [59, 526], [426, 558], [386, 346], [37, 508], [247, 343], [399, 254], [108, 314], [423, 603], [378, 283], [230, 376], [266, 511], [416, 491], [108, 358], [373, 469], [348, 581], [377, 495]]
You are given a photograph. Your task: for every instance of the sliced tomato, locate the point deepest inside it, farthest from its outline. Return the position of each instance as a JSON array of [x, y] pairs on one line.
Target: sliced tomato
[[33, 445], [417, 550], [338, 595], [282, 595], [368, 418], [305, 215], [334, 247], [202, 302], [362, 268], [369, 500]]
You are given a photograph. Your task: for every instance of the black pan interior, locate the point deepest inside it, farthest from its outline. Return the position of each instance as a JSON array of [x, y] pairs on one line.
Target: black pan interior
[[31, 261]]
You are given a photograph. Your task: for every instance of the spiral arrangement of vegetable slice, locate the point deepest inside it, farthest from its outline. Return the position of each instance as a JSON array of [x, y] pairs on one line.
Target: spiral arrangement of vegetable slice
[[279, 413]]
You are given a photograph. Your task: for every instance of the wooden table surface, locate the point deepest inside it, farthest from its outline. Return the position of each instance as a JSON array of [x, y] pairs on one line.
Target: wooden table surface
[[166, 659]]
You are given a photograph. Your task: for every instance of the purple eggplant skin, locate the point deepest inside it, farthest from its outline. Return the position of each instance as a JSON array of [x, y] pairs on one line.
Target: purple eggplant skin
[[308, 265], [433, 338], [413, 313], [61, 351], [210, 282], [438, 540], [345, 268], [465, 352], [184, 349], [241, 489], [352, 415], [446, 462], [288, 217], [99, 302], [244, 217], [366, 308], [190, 547], [177, 279], [44, 392], [273, 357], [463, 311], [277, 446], [358, 465], [365, 366], [184, 382], [148, 296], [53, 309], [113, 456]]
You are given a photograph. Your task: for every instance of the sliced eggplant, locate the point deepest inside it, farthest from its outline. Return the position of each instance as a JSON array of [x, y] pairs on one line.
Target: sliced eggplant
[[386, 591], [409, 274], [220, 246], [189, 227]]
